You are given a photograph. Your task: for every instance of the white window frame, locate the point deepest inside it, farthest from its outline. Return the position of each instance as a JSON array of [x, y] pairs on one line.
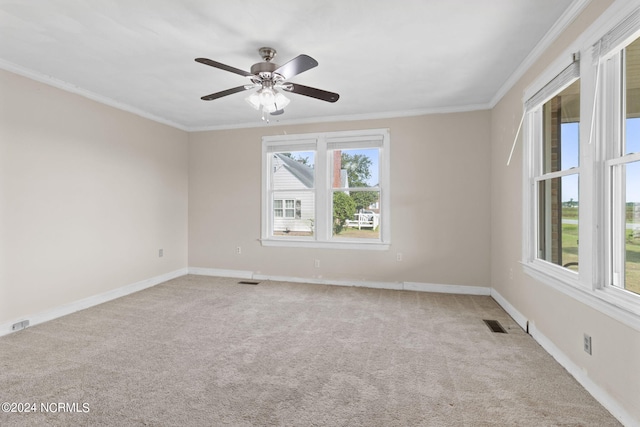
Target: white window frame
[[322, 144], [534, 172], [284, 209], [597, 49]]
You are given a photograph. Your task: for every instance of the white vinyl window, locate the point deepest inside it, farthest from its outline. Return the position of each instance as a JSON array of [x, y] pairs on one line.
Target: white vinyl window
[[553, 133], [581, 170], [327, 190], [621, 149]]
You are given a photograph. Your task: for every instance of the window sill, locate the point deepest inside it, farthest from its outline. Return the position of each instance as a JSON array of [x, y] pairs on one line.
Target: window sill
[[611, 302], [334, 244]]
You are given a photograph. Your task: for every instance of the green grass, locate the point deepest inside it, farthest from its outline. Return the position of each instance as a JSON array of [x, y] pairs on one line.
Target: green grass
[[570, 213], [570, 244], [632, 267]]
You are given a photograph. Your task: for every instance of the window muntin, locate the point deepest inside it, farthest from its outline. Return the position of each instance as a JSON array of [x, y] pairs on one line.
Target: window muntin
[[557, 195], [334, 157]]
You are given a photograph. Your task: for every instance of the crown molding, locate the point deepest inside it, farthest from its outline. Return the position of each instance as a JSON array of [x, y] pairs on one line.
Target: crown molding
[[347, 118], [554, 32], [68, 87]]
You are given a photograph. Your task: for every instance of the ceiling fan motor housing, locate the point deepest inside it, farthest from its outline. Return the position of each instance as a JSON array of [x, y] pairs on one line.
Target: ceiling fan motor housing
[[263, 67]]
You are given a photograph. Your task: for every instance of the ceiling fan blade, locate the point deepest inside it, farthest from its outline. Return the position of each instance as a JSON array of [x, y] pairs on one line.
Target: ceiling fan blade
[[223, 67], [311, 91], [224, 93], [297, 65]]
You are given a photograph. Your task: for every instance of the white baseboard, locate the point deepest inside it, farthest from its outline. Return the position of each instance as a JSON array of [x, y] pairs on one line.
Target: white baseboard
[[511, 310], [579, 374], [82, 304], [321, 281], [217, 272], [399, 286], [447, 289]]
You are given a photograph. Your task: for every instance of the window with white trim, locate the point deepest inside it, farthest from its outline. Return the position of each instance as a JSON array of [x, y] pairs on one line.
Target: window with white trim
[[326, 190], [581, 134], [553, 123], [621, 151]]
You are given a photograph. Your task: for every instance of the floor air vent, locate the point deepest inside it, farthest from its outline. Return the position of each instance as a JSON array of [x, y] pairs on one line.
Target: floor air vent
[[247, 282], [495, 326]]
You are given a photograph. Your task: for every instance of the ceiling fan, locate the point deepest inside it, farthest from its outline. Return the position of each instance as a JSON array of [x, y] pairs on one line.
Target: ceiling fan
[[269, 78]]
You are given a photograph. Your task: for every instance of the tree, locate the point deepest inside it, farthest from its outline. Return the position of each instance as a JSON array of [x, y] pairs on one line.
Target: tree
[[357, 167], [358, 173], [364, 199], [344, 208]]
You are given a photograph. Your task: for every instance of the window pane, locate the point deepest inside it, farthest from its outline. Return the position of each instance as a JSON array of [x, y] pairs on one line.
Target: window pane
[[558, 221], [350, 221], [632, 140], [293, 181], [632, 228], [632, 87], [293, 170], [277, 208], [561, 119], [355, 168], [289, 212]]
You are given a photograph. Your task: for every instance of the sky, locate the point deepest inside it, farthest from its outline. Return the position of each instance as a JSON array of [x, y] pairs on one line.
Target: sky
[[371, 153], [570, 158]]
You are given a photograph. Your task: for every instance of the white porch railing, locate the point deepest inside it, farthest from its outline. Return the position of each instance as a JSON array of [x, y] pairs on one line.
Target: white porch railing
[[364, 221]]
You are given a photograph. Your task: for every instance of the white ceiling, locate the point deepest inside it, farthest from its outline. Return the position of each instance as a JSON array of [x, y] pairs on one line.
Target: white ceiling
[[384, 58]]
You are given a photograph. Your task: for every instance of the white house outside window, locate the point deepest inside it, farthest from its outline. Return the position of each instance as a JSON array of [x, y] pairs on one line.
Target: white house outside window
[[327, 190]]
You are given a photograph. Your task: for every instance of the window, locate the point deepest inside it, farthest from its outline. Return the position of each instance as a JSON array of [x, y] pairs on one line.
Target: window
[[288, 208], [326, 190], [581, 219], [622, 152], [557, 196], [553, 127]]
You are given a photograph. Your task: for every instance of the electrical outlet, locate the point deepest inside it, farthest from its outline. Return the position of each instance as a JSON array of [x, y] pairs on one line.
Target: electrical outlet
[[399, 256], [20, 325], [160, 253], [238, 250], [317, 263], [587, 344]]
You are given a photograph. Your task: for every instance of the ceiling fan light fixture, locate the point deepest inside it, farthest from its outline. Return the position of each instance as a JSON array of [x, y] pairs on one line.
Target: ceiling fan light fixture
[[268, 100]]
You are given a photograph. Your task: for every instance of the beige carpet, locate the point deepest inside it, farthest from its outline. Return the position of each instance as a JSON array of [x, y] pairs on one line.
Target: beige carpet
[[208, 351]]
